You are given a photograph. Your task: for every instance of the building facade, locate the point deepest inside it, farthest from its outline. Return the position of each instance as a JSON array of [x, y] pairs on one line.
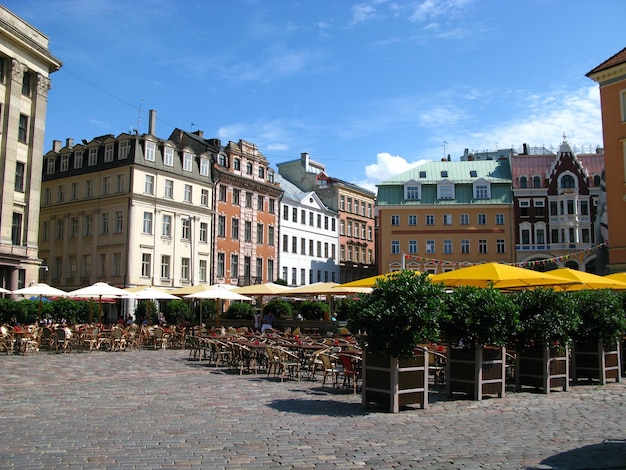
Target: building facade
[[129, 210], [555, 199], [25, 67], [354, 206], [309, 238], [611, 77], [443, 215]]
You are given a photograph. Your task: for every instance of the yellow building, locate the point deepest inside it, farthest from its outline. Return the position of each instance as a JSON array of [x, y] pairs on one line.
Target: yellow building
[[444, 215]]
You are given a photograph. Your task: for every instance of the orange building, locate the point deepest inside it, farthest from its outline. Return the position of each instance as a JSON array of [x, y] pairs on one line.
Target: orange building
[[611, 76]]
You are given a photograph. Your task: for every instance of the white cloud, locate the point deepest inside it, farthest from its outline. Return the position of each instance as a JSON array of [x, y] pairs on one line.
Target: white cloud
[[386, 166], [361, 13]]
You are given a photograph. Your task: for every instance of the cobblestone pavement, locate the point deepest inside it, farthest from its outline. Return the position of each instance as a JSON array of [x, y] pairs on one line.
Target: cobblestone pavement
[[159, 410]]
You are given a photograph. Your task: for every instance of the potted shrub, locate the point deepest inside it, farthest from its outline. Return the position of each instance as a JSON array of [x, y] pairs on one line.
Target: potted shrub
[[480, 323], [402, 311], [547, 322], [596, 352]]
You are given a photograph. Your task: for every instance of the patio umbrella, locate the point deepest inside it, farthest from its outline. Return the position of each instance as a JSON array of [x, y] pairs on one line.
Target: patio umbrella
[[617, 277], [220, 294], [41, 290], [98, 291], [584, 280], [150, 293], [269, 288], [5, 291], [317, 288], [500, 276]]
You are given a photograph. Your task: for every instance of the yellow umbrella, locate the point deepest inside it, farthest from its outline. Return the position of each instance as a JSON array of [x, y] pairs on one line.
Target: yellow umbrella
[[584, 280], [617, 277], [500, 276], [269, 288], [368, 281]]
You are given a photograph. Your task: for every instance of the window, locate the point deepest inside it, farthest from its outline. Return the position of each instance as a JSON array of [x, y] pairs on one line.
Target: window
[[570, 207], [270, 235], [168, 156], [234, 266], [87, 225], [60, 229], [259, 234], [165, 266], [71, 266], [117, 264], [447, 219], [430, 219], [221, 261], [584, 207], [22, 129], [188, 193], [234, 229], [567, 182], [430, 247], [147, 223], [249, 200], [536, 182], [204, 232], [395, 247], [204, 197], [103, 265], [148, 185], [325, 222], [310, 247], [169, 189], [119, 221], [119, 183], [311, 219], [342, 203], [444, 174], [447, 247], [395, 220], [248, 168], [500, 246], [523, 182], [184, 269], [104, 223], [261, 172], [186, 228], [541, 236], [319, 249], [19, 176], [166, 229], [106, 186], [122, 150], [319, 220], [74, 191], [65, 162], [108, 153], [187, 161], [150, 151], [349, 228], [482, 247], [554, 210], [202, 270], [50, 167], [465, 247], [89, 188], [26, 83], [464, 219], [237, 164], [412, 192], [481, 191], [272, 206], [16, 229], [294, 244], [260, 202], [482, 219], [47, 196], [285, 243], [86, 269], [78, 159], [93, 156], [222, 193], [247, 231], [60, 193], [499, 219], [445, 190], [204, 167], [412, 247], [74, 227], [294, 214], [221, 160], [349, 204], [221, 226]]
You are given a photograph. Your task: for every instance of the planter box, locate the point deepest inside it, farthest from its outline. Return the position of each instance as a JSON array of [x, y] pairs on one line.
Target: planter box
[[545, 368], [394, 382], [595, 362], [476, 372], [622, 345]]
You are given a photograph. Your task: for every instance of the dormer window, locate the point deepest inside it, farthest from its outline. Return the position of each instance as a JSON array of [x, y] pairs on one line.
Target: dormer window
[[445, 190], [567, 182], [523, 182], [482, 190], [536, 182], [422, 174], [444, 174], [473, 173], [411, 191]]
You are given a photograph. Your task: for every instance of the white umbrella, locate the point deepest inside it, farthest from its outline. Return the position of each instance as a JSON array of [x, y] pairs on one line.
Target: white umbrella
[[151, 293], [5, 291], [97, 291], [220, 294], [41, 290]]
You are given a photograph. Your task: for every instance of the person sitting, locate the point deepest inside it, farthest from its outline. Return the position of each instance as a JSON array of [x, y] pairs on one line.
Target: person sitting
[[269, 321]]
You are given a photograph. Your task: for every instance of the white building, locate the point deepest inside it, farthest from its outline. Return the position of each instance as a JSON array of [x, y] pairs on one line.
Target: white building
[[309, 238]]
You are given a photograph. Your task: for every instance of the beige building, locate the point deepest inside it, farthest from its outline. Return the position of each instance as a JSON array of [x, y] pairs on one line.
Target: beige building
[[129, 210], [25, 67], [441, 216]]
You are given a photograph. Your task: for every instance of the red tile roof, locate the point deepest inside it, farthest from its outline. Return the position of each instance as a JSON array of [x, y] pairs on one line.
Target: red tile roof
[[617, 59]]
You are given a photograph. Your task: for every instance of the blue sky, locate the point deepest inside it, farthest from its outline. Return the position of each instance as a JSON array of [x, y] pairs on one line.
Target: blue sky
[[368, 88]]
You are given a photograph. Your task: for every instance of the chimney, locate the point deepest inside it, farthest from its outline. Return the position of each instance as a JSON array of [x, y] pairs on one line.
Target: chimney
[[151, 122], [69, 142], [304, 159], [56, 145], [199, 133]]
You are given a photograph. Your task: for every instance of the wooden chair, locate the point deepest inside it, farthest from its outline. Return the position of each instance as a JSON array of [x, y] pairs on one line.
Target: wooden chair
[[351, 374], [63, 340], [330, 368]]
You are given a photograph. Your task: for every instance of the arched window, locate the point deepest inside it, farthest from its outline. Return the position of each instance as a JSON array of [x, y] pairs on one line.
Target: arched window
[[567, 181], [596, 181], [536, 182], [523, 182]]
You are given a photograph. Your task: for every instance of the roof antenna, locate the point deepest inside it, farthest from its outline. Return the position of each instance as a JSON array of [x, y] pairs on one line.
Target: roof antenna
[[139, 116], [192, 124]]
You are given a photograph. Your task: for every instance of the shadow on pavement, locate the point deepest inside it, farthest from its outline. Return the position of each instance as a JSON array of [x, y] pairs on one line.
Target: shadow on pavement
[[319, 407], [608, 455]]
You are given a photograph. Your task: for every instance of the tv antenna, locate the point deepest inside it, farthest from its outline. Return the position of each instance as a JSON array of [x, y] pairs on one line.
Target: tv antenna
[[139, 116]]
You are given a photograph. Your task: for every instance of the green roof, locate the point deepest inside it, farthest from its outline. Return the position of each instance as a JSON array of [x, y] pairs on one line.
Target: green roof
[[494, 171]]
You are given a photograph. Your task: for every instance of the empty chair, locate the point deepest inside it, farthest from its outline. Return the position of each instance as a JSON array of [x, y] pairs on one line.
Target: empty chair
[[351, 374]]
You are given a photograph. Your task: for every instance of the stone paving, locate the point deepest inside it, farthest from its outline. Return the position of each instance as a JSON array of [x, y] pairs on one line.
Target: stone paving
[[150, 409]]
